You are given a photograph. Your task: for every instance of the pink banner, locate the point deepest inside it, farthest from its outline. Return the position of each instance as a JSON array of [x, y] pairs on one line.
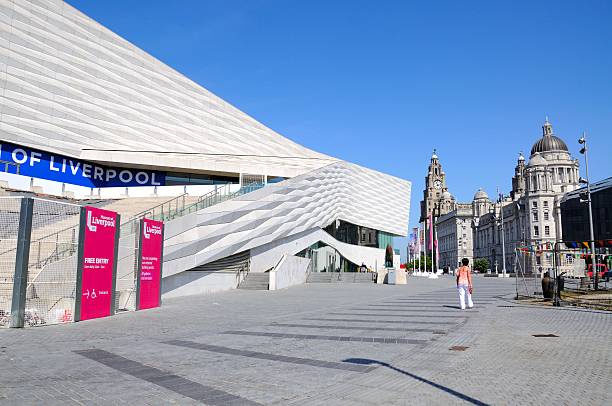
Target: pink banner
[[98, 263], [150, 264]]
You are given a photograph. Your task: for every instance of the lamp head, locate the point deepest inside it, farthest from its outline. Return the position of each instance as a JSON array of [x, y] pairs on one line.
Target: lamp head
[[581, 140], [583, 181]]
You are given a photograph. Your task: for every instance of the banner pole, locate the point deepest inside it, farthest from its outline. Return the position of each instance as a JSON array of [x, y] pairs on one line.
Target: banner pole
[[138, 271], [78, 296], [161, 263], [115, 264]]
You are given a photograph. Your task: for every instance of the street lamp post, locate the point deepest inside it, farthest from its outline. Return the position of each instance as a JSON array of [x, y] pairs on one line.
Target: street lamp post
[[586, 181], [434, 243], [503, 239]]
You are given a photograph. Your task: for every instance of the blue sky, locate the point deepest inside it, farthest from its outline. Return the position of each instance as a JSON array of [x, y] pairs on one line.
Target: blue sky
[[382, 83]]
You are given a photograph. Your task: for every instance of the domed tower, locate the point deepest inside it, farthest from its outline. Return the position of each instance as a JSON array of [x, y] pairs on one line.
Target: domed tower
[[447, 203], [550, 144], [550, 173], [518, 180], [481, 203], [550, 167]]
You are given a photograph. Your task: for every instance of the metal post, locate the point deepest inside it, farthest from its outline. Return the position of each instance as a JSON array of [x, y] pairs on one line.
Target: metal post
[[138, 270], [432, 228], [556, 301], [161, 264], [588, 185], [516, 264], [115, 265], [80, 260], [420, 248], [20, 281], [501, 198]]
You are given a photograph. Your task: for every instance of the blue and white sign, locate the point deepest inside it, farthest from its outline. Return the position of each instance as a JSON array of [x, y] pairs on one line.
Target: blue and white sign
[[44, 165]]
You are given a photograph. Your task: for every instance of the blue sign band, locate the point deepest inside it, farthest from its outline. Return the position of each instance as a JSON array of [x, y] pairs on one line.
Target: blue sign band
[[59, 168]]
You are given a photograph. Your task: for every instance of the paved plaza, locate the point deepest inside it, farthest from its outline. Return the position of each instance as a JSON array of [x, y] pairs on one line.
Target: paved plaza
[[319, 344]]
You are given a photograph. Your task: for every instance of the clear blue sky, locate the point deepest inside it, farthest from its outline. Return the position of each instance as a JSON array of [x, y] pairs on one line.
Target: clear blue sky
[[381, 83]]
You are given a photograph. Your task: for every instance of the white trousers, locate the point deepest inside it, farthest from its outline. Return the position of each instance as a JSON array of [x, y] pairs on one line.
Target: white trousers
[[464, 291]]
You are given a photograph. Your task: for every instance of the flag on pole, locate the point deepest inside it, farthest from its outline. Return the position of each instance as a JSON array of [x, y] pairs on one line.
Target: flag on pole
[[437, 251], [430, 225]]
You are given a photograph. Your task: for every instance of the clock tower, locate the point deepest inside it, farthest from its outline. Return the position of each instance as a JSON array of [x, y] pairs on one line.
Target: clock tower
[[435, 193]]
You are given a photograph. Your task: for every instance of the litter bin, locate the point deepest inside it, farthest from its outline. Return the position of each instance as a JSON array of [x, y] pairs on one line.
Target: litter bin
[[547, 286], [560, 284]]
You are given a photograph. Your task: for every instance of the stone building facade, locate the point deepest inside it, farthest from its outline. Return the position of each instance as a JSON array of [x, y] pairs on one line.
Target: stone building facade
[[531, 212], [455, 236]]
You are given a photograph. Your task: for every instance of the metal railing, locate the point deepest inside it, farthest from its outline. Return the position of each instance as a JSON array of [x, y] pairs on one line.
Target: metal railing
[[241, 275], [176, 207], [161, 211], [217, 196]]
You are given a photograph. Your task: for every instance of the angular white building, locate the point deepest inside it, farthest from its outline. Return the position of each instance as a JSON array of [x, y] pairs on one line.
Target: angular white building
[[84, 113]]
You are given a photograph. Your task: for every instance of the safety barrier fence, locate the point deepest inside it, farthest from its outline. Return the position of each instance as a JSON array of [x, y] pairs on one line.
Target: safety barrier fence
[[565, 274], [53, 267]]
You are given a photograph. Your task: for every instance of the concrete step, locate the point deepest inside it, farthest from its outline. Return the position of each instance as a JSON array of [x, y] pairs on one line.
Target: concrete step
[[342, 277], [256, 281]]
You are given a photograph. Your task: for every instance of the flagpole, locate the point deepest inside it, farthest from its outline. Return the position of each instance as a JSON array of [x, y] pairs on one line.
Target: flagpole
[[431, 241], [419, 237], [414, 256]]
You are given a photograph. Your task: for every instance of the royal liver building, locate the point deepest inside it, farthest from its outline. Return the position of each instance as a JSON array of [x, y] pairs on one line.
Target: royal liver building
[[531, 212]]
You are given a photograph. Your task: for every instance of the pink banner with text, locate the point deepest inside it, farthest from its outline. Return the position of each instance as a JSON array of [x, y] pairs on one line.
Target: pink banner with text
[[152, 241], [98, 263]]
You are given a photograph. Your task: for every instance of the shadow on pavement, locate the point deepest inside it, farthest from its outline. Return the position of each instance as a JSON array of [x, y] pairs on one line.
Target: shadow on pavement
[[365, 361]]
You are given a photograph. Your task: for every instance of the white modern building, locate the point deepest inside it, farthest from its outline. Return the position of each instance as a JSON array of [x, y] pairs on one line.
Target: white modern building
[[85, 114]]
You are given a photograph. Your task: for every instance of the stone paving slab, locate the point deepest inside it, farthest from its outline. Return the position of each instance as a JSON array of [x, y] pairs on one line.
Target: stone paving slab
[[502, 364]]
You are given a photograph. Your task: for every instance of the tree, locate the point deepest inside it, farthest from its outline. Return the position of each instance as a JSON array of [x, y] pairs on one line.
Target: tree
[[425, 263], [481, 264]]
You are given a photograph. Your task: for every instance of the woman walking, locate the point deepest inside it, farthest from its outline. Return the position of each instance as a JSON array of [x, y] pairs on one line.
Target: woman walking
[[464, 284]]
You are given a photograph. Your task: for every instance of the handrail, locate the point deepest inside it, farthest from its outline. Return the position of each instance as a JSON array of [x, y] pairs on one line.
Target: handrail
[[278, 263], [243, 269], [218, 196], [151, 209]]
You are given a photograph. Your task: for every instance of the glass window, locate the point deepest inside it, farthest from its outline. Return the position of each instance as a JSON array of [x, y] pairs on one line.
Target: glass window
[[545, 203], [535, 216], [176, 178], [546, 216], [547, 230], [536, 231], [535, 205]]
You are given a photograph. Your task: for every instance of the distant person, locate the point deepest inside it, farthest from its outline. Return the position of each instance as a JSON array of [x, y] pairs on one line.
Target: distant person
[[464, 284]]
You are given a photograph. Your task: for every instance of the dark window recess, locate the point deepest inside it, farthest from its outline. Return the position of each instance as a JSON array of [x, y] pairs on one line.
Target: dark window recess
[[353, 234], [174, 179]]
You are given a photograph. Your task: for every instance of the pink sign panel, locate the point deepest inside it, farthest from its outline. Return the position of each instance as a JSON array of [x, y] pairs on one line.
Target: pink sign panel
[[98, 263], [150, 264]]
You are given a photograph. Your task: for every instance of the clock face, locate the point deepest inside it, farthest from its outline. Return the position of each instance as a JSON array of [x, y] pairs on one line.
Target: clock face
[[438, 184]]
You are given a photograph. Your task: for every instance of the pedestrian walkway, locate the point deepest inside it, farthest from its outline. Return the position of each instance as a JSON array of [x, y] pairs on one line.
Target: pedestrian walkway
[[319, 344]]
